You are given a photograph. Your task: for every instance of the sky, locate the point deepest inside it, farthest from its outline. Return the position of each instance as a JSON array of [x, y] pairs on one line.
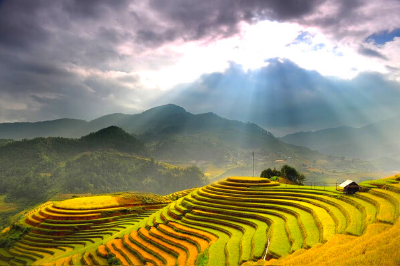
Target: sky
[[293, 65]]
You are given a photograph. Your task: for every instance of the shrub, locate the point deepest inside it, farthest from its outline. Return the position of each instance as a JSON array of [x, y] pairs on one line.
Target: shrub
[[112, 260], [274, 178], [16, 232], [268, 173], [202, 259]]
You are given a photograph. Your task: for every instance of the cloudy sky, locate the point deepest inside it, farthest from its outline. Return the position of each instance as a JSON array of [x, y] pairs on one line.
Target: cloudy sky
[[287, 65]]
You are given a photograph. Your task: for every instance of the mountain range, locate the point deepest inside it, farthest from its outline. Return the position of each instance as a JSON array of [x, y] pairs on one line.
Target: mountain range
[[170, 132], [173, 135], [165, 122], [370, 142]]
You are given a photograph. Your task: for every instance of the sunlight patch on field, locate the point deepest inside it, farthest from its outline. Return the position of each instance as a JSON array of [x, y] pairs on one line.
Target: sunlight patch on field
[[248, 179], [111, 200], [88, 202], [132, 198], [66, 196]]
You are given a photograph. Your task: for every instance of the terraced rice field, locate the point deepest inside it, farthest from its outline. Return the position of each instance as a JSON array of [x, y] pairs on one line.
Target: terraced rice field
[[242, 214], [178, 194], [228, 222], [66, 233]]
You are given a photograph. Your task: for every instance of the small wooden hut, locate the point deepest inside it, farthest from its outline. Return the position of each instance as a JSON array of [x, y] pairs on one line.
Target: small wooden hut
[[349, 187]]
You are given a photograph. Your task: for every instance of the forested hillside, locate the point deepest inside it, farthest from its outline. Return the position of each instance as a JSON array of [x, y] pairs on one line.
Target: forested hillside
[[106, 161]]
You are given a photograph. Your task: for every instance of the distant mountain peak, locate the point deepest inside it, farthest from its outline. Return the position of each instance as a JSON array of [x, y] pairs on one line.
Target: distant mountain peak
[[113, 137], [167, 108], [111, 129], [108, 131]]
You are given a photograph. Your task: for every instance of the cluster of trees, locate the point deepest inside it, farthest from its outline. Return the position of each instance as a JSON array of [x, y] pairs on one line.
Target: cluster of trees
[[110, 171], [269, 173], [286, 171]]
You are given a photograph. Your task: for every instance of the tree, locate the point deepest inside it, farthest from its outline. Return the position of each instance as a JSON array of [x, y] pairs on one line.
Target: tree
[[301, 179], [291, 174], [268, 173]]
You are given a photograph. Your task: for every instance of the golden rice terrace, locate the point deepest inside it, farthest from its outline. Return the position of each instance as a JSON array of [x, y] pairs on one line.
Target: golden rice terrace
[[229, 222]]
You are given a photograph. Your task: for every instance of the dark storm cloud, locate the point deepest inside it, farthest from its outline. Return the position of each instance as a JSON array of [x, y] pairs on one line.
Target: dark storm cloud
[[68, 96], [350, 21], [129, 79], [40, 68], [45, 49], [285, 10], [93, 9], [343, 12], [194, 20], [371, 53], [57, 56], [151, 38], [19, 28], [81, 24], [101, 101], [283, 97], [43, 42]]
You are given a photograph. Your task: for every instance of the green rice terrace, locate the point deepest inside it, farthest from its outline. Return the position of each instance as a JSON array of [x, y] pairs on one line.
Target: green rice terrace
[[235, 221]]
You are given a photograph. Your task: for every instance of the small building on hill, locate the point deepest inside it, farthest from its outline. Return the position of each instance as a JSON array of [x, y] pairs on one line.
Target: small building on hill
[[349, 187]]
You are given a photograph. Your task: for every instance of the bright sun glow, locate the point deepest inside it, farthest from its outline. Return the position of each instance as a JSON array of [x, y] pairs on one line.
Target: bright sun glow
[[252, 46]]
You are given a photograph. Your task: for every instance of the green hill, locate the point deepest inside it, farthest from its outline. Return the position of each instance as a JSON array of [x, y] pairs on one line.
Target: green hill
[[113, 137]]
